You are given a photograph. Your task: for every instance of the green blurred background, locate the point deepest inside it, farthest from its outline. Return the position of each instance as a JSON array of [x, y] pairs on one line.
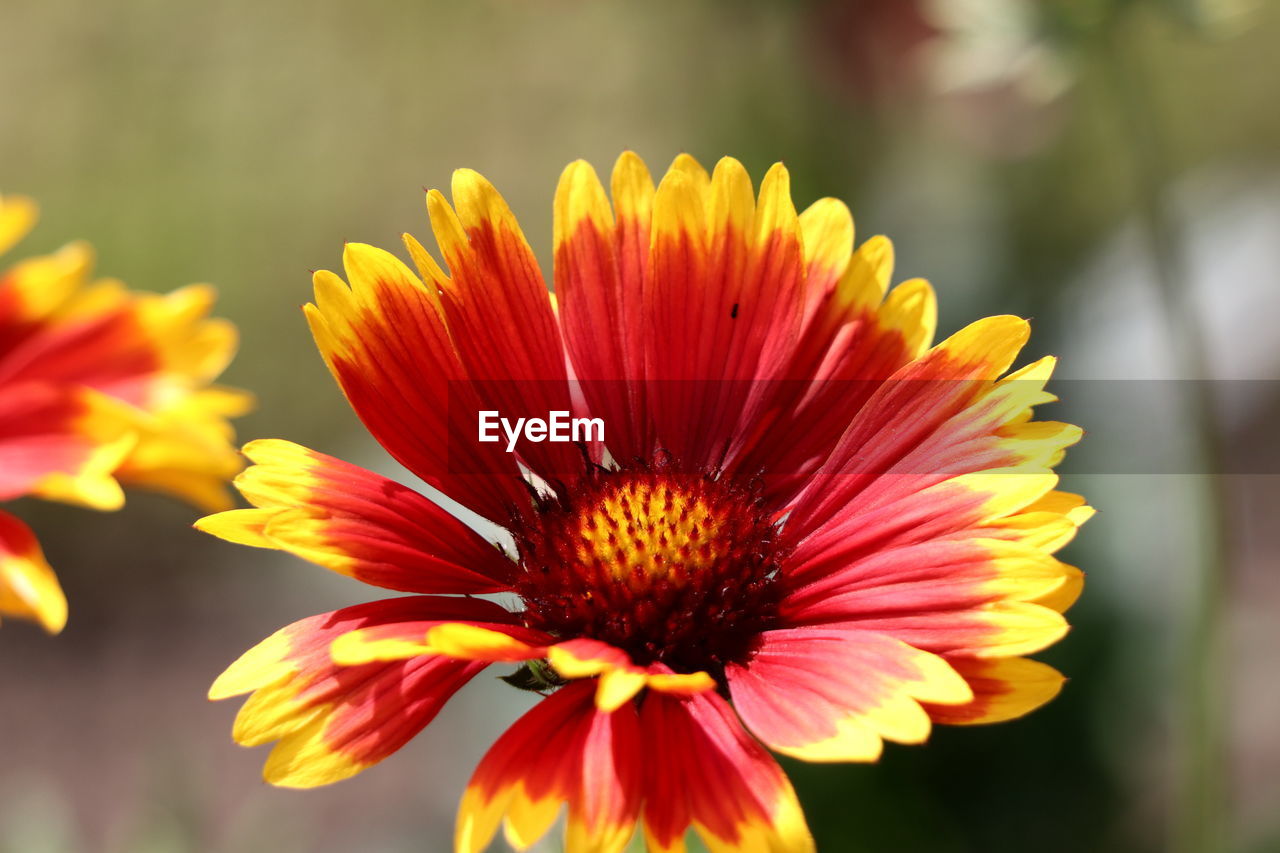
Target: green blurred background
[[1020, 154]]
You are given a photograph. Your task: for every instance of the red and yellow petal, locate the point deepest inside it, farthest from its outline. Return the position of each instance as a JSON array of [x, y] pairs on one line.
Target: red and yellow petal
[[992, 630], [853, 340], [144, 349], [192, 346], [1003, 689], [916, 418], [184, 447], [61, 444], [357, 523], [28, 587], [386, 342], [105, 350], [943, 574], [983, 598], [35, 288], [149, 348], [865, 283], [499, 314], [1047, 524], [562, 752], [833, 693], [704, 772], [726, 275], [911, 310], [150, 355], [616, 678], [632, 190], [477, 640], [969, 506], [826, 229], [599, 283], [947, 436], [619, 679], [332, 721], [942, 534]]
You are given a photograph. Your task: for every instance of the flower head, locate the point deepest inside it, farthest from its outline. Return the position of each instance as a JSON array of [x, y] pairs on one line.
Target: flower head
[[100, 386], [805, 529]]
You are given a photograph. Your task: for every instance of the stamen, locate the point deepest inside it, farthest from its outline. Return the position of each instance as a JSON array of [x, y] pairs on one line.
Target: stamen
[[670, 567]]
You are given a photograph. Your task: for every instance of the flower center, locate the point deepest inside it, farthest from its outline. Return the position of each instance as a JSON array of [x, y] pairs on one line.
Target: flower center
[[671, 568]]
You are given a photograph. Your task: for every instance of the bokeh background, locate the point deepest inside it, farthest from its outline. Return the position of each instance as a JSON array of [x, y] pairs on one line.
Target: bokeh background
[[1076, 162]]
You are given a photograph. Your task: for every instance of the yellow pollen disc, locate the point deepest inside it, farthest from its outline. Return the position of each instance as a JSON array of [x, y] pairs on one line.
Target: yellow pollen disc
[[668, 567], [643, 532]]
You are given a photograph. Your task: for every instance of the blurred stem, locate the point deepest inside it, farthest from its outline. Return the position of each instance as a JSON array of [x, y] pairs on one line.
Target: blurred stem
[[1198, 823]]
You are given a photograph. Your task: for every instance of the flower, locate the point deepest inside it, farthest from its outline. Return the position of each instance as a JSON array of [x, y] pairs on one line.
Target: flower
[[809, 531], [100, 386]]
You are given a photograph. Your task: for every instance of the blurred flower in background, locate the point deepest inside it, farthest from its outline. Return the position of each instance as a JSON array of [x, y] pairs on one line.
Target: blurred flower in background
[[999, 73], [996, 70], [101, 386], [872, 48]]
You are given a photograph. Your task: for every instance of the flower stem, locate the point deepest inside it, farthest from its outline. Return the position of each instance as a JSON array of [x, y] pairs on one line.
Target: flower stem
[[1199, 821]]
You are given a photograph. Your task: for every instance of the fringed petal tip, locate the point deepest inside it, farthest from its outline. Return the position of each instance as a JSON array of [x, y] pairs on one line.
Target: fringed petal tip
[[356, 523], [1003, 689]]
